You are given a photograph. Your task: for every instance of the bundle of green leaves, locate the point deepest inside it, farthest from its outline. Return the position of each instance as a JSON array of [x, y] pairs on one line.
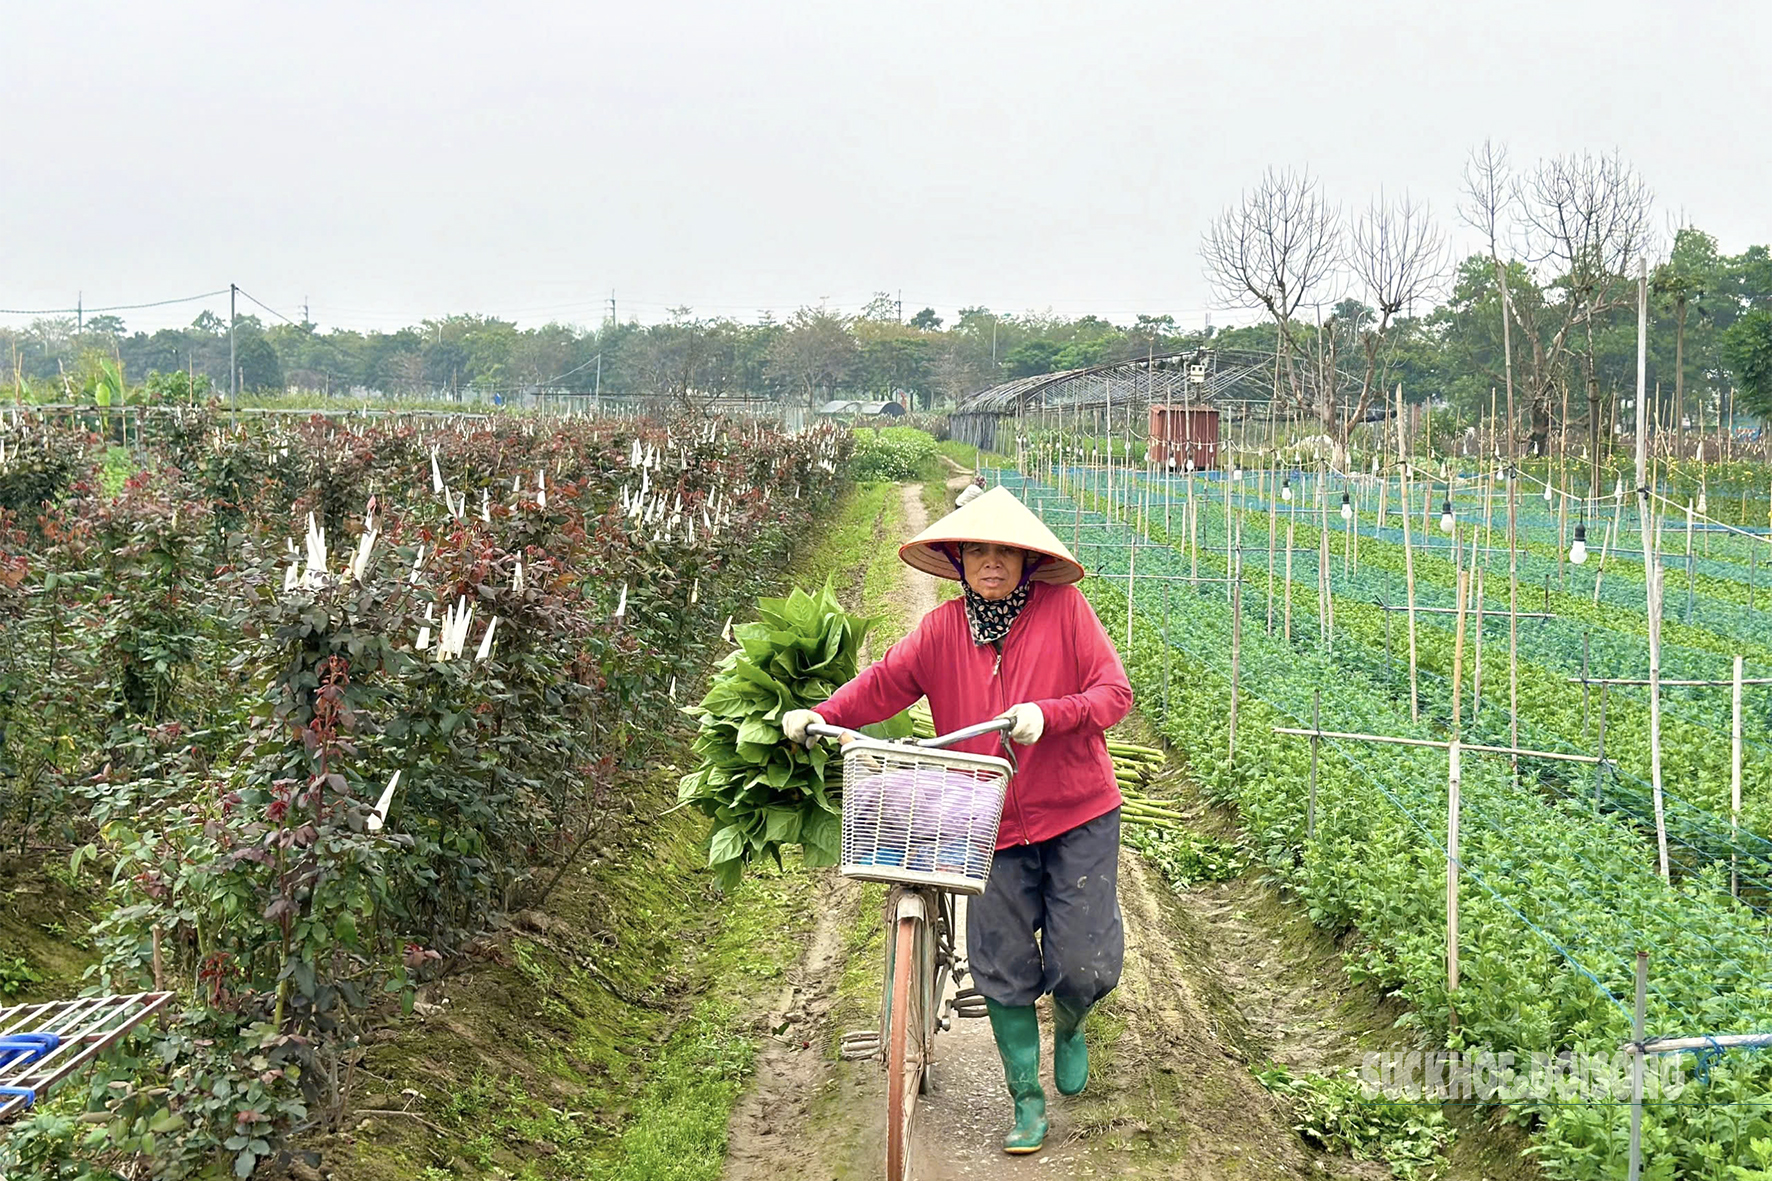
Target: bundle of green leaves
[[761, 791]]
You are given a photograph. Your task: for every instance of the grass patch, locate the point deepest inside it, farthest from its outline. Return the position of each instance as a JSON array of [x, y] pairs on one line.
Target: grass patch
[[969, 457], [680, 1133], [843, 551], [857, 1003], [45, 914]]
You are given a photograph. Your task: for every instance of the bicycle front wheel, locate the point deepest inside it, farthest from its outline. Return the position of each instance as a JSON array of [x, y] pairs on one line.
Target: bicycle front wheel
[[913, 967]]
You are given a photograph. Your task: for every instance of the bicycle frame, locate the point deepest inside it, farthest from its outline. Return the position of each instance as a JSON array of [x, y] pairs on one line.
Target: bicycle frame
[[922, 956]]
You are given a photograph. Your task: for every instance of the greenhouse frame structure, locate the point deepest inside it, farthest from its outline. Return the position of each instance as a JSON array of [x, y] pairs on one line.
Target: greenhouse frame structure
[[1116, 398]]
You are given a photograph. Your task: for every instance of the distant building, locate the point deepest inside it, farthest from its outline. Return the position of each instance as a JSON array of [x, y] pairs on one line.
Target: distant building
[[862, 409]]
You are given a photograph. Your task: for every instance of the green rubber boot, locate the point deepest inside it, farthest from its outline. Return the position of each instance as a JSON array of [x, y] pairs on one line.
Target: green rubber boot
[[1070, 1053], [1017, 1030]]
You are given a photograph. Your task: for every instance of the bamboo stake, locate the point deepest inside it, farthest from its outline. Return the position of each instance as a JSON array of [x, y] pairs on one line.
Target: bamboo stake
[[1634, 1168], [1323, 558], [1690, 570], [1286, 589], [1563, 537], [1131, 560], [1600, 570], [1236, 653], [1461, 578], [1477, 672], [1600, 750], [1735, 781], [1409, 582], [1453, 807], [1586, 685], [1513, 587], [1273, 521], [1310, 807], [1225, 476], [1652, 572], [1193, 530]]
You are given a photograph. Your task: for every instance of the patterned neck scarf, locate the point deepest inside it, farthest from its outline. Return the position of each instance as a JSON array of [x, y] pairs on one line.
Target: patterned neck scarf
[[989, 619]]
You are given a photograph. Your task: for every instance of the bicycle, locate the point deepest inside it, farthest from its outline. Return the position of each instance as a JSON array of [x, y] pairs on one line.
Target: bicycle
[[924, 820]]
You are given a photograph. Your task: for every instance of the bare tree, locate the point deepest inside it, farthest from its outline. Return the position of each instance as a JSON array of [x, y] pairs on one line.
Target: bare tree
[[1275, 249], [1575, 223], [1486, 189], [1586, 218], [956, 372], [1398, 254], [1284, 246]]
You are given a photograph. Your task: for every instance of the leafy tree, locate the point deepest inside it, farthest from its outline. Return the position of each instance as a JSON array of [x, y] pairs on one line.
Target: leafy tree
[[1748, 346], [881, 309], [260, 367], [926, 320], [1692, 272], [1031, 357], [814, 353]]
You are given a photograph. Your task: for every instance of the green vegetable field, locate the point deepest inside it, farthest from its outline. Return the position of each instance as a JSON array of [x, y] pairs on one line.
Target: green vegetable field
[[1557, 862]]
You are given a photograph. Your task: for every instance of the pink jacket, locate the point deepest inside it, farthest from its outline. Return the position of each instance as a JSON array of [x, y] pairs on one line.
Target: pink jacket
[[1056, 655]]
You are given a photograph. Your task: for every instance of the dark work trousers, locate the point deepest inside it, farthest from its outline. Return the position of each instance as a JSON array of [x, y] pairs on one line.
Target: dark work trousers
[[1065, 892]]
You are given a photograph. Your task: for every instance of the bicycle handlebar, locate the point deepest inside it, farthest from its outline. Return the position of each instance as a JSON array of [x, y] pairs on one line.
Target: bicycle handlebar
[[994, 726]]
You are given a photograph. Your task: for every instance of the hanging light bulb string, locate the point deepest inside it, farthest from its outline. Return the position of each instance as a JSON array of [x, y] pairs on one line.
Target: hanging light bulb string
[[1700, 514]]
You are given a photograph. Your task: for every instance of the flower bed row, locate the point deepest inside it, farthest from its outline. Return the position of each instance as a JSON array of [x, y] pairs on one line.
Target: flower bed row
[[275, 622]]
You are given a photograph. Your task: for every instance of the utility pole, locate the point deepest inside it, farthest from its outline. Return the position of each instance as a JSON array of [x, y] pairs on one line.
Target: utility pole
[[233, 371], [305, 319], [79, 312], [612, 306]]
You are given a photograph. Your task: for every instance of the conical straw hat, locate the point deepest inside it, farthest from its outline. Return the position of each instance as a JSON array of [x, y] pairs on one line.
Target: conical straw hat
[[996, 517]]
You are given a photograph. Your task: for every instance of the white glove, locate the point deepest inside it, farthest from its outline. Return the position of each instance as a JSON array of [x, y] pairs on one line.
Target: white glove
[[1029, 723], [795, 721]]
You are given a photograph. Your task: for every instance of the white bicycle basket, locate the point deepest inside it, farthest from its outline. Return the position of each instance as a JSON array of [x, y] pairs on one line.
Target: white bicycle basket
[[920, 816]]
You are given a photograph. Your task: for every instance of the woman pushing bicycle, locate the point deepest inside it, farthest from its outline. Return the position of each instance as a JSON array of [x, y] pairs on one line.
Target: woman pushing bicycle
[[1024, 645]]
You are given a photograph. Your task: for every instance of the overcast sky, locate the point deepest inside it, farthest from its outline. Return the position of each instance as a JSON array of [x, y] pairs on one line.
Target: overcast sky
[[387, 162]]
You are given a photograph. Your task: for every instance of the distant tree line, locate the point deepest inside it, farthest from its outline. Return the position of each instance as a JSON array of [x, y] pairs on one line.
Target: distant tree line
[[1572, 329]]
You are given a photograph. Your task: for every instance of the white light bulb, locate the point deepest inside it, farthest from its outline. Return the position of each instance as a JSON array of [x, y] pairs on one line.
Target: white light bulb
[[1237, 474], [1578, 552], [1446, 522], [1347, 511], [1285, 492], [1547, 494]]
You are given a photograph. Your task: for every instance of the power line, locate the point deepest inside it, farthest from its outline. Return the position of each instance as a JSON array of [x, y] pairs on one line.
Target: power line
[[267, 307], [120, 307]]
